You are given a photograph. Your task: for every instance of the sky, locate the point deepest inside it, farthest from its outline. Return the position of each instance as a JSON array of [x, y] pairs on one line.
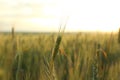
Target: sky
[[47, 15]]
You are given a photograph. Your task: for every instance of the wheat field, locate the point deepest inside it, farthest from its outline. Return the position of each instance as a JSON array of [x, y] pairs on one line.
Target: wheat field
[[52, 56]]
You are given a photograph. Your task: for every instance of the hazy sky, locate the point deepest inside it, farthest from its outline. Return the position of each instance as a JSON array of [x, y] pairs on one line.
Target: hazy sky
[[45, 15]]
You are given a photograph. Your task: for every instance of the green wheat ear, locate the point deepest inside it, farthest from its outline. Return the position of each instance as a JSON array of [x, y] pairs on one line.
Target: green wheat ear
[[13, 33], [50, 66], [56, 48], [59, 38], [119, 36], [54, 54]]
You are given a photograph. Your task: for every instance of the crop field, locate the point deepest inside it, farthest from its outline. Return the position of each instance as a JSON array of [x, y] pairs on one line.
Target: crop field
[[57, 56]]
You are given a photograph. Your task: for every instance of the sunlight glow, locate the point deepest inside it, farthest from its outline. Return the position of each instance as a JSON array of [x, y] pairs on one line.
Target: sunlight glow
[[45, 15]]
